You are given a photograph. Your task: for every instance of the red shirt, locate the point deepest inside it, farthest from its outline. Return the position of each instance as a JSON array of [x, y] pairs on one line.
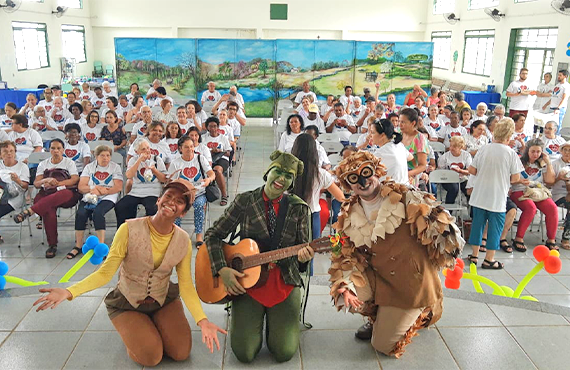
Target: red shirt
[[275, 290]]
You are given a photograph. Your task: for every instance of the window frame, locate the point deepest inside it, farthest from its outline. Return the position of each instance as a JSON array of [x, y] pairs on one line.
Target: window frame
[[470, 7], [84, 39], [449, 36], [465, 37], [16, 28]]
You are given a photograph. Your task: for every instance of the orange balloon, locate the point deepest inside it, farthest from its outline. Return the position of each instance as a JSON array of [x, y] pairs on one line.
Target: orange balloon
[[540, 252]]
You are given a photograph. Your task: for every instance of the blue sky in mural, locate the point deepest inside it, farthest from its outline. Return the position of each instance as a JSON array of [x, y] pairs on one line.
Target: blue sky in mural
[[300, 53], [334, 51], [407, 48], [216, 51], [137, 49], [251, 49], [169, 50]]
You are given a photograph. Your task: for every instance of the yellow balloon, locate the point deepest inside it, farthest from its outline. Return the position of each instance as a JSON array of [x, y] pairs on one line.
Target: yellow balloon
[[555, 253], [444, 272]]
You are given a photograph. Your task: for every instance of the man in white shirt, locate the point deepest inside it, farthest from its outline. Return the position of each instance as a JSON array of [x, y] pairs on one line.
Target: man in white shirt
[[342, 123], [520, 94], [48, 102], [107, 90], [366, 114], [99, 100], [543, 93], [347, 100], [314, 118], [57, 93], [86, 94], [301, 94], [210, 95], [559, 100], [151, 93], [499, 111]]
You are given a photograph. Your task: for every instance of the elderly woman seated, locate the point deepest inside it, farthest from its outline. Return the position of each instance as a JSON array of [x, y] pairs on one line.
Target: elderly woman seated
[[560, 188], [145, 173], [56, 180], [100, 183], [19, 179]]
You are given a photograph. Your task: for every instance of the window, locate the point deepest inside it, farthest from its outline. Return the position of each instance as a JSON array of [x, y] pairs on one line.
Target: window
[[443, 6], [30, 42], [73, 42], [441, 48], [533, 49], [480, 4], [478, 52], [77, 4]]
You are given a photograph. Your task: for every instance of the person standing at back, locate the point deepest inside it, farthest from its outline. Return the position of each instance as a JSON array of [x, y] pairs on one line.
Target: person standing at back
[[559, 100], [520, 93]]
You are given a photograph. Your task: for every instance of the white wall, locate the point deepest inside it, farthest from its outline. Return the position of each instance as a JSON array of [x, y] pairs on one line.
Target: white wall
[[331, 19], [41, 13], [532, 14]]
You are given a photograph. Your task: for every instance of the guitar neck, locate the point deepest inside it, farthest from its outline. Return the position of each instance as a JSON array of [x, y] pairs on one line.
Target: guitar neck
[[275, 255]]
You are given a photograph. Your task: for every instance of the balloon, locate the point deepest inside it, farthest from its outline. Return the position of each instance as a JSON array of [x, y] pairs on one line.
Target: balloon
[[455, 274], [528, 277], [79, 264], [2, 282], [460, 263], [92, 241], [22, 282], [96, 260], [552, 264], [555, 253], [101, 250], [452, 283], [3, 268], [529, 298], [540, 252], [324, 214], [507, 290]]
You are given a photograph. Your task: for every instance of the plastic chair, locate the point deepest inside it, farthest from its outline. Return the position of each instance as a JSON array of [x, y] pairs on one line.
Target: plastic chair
[[96, 143], [437, 146], [207, 107], [449, 177], [335, 159], [109, 69], [329, 137], [129, 128], [565, 132], [37, 157], [353, 139], [332, 146], [97, 69], [50, 135]]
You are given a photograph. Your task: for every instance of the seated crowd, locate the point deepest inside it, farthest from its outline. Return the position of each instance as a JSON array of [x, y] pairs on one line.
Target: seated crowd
[[112, 153]]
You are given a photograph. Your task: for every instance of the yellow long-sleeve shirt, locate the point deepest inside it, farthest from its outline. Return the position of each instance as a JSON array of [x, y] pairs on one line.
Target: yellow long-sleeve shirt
[[159, 243]]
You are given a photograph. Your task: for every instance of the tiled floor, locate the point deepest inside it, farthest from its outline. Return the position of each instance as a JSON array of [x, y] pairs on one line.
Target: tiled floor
[[470, 335]]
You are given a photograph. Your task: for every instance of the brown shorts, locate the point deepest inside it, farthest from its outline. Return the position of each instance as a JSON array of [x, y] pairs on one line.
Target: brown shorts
[[117, 303]]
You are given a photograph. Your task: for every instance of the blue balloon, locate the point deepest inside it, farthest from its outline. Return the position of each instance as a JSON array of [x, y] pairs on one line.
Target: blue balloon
[[3, 268], [101, 250], [85, 248], [92, 241], [2, 282], [96, 260], [568, 52]]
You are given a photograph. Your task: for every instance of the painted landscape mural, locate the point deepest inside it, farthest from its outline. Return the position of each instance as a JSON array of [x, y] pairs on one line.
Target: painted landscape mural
[[265, 71]]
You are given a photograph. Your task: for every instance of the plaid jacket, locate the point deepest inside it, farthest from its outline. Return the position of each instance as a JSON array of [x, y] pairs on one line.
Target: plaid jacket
[[248, 211]]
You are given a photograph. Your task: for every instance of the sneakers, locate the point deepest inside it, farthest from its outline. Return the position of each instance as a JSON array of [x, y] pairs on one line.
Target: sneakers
[[364, 332]]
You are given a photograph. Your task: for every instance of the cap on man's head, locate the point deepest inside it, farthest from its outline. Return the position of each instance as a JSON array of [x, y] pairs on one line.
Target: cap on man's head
[[313, 108]]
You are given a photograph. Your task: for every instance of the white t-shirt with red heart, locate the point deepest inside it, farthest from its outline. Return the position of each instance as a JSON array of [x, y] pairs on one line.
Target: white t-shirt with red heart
[[48, 105], [190, 171], [220, 142], [531, 172], [98, 102], [160, 150], [141, 187], [25, 142], [173, 146], [90, 133], [86, 95], [552, 147], [77, 153], [227, 131], [203, 150], [139, 129], [65, 164], [5, 122], [448, 160], [41, 126], [60, 116], [21, 169], [103, 176], [184, 128], [447, 132], [521, 102]]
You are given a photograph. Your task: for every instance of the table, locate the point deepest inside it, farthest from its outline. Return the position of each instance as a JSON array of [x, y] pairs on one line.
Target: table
[[475, 97], [18, 97]]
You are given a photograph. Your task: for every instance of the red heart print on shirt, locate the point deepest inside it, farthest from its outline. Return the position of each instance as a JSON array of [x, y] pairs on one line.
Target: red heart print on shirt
[[212, 145], [183, 131], [189, 172], [101, 175], [531, 171], [99, 103], [85, 97], [554, 147], [153, 151], [221, 132], [434, 125], [173, 148], [70, 153], [48, 108], [20, 140], [90, 136], [41, 127], [460, 165], [456, 133]]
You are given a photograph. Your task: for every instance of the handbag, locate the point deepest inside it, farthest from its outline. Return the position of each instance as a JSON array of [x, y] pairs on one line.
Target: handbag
[[213, 193], [59, 174]]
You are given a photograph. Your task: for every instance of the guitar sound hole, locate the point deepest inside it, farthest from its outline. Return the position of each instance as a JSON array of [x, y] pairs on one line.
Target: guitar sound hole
[[237, 264]]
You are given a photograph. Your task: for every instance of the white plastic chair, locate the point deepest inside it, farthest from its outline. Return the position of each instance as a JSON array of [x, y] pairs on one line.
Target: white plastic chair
[[50, 135], [129, 128], [94, 144], [332, 146], [329, 137], [565, 132], [353, 139], [449, 177], [37, 157], [335, 159], [437, 146], [207, 107]]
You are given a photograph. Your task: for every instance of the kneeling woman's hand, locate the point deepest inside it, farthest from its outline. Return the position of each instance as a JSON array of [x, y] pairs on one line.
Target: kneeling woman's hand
[[210, 334], [53, 299]]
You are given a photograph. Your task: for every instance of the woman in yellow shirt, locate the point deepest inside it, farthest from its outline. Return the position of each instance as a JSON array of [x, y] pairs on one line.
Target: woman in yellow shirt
[[145, 307]]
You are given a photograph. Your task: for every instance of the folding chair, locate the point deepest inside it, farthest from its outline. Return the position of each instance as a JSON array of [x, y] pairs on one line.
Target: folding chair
[[281, 104], [207, 107], [329, 137], [50, 135], [335, 159], [22, 224], [94, 144], [449, 177], [332, 146], [97, 69], [437, 146], [565, 132], [129, 128], [110, 70], [353, 139]]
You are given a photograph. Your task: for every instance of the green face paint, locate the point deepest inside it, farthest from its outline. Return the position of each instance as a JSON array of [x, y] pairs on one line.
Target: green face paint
[[277, 182]]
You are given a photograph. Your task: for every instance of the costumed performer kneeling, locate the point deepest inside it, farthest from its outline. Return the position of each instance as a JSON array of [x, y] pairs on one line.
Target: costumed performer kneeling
[[274, 219], [145, 307], [383, 270]]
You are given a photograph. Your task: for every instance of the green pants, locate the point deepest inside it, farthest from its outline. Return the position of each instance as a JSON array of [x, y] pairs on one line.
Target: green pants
[[282, 332]]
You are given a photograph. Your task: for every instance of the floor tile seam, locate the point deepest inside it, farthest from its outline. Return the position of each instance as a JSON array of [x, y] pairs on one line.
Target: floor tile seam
[[447, 346], [72, 350], [521, 347]]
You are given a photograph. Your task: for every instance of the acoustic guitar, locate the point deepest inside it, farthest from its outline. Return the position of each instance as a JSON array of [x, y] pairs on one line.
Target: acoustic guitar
[[244, 257]]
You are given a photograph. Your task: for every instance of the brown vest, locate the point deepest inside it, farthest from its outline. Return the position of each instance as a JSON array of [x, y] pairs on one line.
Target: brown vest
[[138, 279]]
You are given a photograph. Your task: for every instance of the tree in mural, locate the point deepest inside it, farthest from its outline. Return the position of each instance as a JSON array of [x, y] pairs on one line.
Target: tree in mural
[[226, 68], [412, 58], [384, 85], [380, 52], [263, 67], [399, 57]]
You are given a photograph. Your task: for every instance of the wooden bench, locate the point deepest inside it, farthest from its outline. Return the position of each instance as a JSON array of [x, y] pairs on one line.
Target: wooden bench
[[455, 87], [439, 83], [371, 76]]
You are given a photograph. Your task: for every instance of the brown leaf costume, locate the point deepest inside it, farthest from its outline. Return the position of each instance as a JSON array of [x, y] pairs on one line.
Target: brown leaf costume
[[397, 265]]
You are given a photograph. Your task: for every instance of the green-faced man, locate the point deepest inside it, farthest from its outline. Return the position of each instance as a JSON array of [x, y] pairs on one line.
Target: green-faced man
[[274, 219]]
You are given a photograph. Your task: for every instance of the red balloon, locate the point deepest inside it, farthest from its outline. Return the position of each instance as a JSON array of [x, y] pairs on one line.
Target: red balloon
[[452, 283], [324, 214], [552, 264], [456, 273], [460, 263], [540, 252]]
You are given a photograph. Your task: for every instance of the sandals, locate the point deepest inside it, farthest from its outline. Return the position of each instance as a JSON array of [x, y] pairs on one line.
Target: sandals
[[505, 247], [51, 251], [483, 248], [20, 217], [519, 246], [492, 265], [473, 259], [224, 201], [552, 246], [39, 225], [71, 255]]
